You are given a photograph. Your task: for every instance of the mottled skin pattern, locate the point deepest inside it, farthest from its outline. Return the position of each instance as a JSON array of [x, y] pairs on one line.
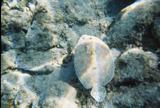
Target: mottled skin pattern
[[93, 62]]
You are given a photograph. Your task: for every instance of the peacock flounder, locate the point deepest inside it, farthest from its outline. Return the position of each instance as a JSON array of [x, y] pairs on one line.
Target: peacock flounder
[[94, 65]]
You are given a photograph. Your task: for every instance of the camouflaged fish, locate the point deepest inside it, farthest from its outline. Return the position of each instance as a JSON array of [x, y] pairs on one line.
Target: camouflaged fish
[[94, 65]]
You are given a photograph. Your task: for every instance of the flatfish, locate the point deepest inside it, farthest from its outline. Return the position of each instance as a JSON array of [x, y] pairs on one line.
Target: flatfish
[[94, 65]]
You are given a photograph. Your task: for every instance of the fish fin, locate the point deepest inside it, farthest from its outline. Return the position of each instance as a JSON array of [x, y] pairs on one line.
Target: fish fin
[[98, 93], [115, 53]]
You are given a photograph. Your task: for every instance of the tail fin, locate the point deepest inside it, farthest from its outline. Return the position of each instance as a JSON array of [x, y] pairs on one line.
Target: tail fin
[[98, 93]]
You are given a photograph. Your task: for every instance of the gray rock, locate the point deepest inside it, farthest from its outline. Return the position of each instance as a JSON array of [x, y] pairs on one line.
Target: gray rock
[[130, 26], [6, 43], [143, 95], [60, 95], [16, 92], [40, 37], [14, 19], [136, 64], [36, 60], [8, 61]]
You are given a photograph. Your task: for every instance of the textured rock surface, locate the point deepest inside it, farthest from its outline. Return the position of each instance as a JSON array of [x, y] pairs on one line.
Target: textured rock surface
[[37, 39], [137, 64], [131, 27]]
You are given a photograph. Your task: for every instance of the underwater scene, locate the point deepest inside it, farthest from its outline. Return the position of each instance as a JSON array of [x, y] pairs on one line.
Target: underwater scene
[[80, 54]]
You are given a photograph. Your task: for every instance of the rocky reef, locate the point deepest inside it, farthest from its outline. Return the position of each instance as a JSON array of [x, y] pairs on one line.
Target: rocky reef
[[38, 37]]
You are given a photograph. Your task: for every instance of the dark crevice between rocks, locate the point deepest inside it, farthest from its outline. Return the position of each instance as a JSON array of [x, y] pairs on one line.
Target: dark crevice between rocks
[[5, 47], [31, 72], [121, 64], [113, 7], [75, 21], [34, 72], [152, 76], [42, 49], [22, 49], [120, 105], [148, 80], [151, 104], [117, 16], [3, 1], [112, 24], [30, 105], [48, 48], [148, 41], [159, 64], [67, 59], [25, 49], [33, 2], [33, 18], [128, 82], [14, 27], [17, 8], [38, 12]]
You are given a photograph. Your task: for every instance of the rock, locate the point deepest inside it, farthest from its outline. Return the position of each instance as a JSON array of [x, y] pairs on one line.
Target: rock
[[60, 95], [40, 37], [36, 60], [14, 19], [137, 65], [19, 39], [8, 61], [142, 95], [16, 92], [90, 52], [94, 27], [59, 103], [130, 26], [136, 80], [46, 36], [6, 44], [78, 13], [67, 37]]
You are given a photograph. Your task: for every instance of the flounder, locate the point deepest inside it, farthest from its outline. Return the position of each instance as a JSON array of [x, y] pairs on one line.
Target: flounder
[[94, 65]]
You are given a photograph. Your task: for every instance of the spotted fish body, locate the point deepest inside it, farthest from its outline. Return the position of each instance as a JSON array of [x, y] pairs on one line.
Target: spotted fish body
[[94, 65]]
